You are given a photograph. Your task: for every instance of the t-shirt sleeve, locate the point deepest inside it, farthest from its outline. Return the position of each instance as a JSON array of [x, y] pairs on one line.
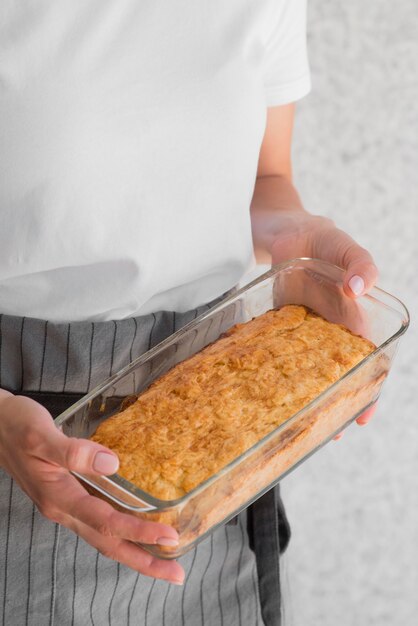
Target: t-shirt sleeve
[[286, 68]]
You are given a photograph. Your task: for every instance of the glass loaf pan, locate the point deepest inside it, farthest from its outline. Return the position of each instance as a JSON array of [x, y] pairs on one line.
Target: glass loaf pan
[[377, 316]]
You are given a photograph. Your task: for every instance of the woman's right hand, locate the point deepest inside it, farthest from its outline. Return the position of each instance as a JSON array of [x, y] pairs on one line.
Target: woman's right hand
[[39, 457]]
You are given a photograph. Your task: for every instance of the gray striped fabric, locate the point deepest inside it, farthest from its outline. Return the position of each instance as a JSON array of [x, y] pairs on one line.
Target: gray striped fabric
[[49, 575]]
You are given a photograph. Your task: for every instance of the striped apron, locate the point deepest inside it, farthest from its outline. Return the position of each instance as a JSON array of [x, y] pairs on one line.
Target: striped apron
[[51, 576]]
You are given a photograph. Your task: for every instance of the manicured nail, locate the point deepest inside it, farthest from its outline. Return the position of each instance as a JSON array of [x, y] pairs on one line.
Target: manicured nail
[[167, 541], [176, 581], [105, 463], [362, 422], [356, 284]]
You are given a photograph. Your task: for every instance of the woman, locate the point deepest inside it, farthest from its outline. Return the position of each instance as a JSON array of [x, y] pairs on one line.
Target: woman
[[145, 160]]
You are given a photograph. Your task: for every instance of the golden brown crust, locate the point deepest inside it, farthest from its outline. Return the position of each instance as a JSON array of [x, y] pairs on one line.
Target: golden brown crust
[[209, 409]]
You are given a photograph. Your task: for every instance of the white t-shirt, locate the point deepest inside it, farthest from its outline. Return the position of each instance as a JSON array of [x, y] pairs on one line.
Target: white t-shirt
[[129, 137]]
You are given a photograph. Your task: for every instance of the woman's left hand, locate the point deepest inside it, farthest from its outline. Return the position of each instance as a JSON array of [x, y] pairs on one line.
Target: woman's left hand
[[302, 234], [281, 227]]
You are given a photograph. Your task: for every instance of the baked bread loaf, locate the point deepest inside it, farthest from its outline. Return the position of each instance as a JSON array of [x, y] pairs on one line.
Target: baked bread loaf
[[212, 407]]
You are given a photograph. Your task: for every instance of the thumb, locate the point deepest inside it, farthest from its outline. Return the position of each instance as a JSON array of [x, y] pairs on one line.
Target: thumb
[[32, 426], [360, 270], [80, 455]]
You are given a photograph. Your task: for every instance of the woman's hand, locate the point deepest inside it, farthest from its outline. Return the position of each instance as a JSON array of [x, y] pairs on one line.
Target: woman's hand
[[281, 227], [362, 420], [39, 457], [300, 234]]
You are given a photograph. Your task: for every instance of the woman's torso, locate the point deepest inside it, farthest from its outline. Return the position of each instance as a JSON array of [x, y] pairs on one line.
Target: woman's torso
[[129, 139]]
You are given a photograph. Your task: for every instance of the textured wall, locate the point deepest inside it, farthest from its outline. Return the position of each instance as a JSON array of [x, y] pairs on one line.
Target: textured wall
[[354, 506]]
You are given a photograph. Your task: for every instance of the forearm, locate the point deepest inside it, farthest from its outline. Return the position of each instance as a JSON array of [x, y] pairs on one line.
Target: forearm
[[272, 196]]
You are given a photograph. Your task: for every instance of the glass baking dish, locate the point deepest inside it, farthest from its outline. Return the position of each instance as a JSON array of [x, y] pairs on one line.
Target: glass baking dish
[[377, 316]]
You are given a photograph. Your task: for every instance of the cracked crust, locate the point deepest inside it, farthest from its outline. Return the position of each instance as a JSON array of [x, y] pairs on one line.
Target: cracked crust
[[212, 407]]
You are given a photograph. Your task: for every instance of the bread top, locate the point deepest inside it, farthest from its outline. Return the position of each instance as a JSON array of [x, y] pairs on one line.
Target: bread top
[[212, 407]]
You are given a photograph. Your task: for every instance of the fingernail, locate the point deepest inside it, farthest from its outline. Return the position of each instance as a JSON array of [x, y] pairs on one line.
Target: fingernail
[[176, 581], [167, 541], [356, 284], [105, 463]]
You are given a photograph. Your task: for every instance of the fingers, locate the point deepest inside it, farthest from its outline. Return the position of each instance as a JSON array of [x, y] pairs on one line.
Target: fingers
[[336, 246], [102, 517], [131, 555], [32, 426], [39, 463], [112, 533], [366, 416], [301, 234], [77, 455], [70, 498], [65, 501], [361, 274], [362, 420], [81, 455], [110, 523]]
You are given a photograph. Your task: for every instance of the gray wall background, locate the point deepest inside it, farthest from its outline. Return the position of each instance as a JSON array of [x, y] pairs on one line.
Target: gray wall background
[[353, 507]]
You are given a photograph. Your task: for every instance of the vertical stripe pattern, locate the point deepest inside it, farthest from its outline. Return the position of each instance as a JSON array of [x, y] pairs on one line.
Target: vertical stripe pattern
[[6, 547], [56, 578], [73, 605], [29, 584]]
